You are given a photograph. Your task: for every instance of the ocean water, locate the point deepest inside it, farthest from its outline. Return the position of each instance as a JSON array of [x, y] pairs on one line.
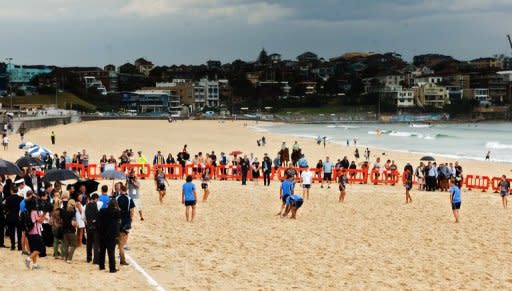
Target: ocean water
[[462, 140]]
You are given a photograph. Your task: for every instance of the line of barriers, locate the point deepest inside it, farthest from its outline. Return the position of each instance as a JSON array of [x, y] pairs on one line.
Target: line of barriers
[[231, 172]]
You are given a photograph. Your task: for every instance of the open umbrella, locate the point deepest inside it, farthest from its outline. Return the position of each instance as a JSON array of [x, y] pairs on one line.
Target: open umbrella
[[38, 151], [25, 145], [427, 159], [60, 175], [8, 168], [236, 152], [113, 175], [90, 185], [27, 162]]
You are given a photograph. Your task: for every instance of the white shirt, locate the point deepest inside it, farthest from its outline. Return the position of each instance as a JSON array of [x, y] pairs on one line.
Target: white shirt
[[23, 192], [307, 177], [6, 140]]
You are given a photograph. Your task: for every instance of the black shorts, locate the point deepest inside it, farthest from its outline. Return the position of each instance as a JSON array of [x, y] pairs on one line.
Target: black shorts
[[342, 188], [190, 203], [456, 205], [298, 204], [204, 185], [408, 186], [327, 176], [35, 242], [306, 186], [161, 187]]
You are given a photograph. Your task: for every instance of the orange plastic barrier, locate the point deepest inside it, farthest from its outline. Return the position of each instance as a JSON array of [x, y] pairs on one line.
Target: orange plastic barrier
[[317, 175], [79, 168], [93, 172], [282, 170], [495, 184], [172, 171], [357, 176], [228, 173], [142, 171], [477, 182]]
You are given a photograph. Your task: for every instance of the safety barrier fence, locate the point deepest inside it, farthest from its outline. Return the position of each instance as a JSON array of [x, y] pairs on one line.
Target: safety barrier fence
[[235, 172]]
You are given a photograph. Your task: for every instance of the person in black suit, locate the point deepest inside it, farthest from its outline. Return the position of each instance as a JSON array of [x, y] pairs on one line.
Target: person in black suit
[[244, 167], [108, 231], [2, 219], [34, 182], [12, 208]]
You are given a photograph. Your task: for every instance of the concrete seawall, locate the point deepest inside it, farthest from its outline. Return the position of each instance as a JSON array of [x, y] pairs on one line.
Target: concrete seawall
[[39, 122]]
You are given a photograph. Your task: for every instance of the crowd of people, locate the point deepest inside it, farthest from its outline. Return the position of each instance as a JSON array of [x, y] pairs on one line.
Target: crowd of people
[[37, 215]]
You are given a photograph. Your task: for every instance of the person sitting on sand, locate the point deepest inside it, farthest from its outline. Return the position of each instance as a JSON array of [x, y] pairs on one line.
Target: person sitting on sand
[[455, 199], [293, 203], [504, 186], [189, 198], [285, 191]]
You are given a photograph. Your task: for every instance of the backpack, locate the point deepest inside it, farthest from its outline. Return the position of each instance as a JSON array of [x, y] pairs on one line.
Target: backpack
[[26, 221]]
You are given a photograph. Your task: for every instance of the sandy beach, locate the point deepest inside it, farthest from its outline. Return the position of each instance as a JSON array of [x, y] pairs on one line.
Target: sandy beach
[[373, 241]]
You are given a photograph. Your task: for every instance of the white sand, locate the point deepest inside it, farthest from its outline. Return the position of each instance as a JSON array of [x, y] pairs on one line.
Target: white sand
[[373, 241]]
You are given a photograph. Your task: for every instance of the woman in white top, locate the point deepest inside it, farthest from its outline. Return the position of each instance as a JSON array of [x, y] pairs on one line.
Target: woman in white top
[[80, 223], [5, 142]]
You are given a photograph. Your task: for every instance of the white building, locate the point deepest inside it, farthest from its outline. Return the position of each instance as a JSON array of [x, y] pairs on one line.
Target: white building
[[482, 96], [420, 81], [91, 82], [206, 94]]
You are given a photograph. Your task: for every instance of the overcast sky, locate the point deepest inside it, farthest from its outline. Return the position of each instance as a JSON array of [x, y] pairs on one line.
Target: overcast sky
[[97, 32]]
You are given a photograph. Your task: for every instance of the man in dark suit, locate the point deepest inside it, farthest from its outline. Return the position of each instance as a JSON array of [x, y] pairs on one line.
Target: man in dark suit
[[108, 232], [33, 181], [244, 167]]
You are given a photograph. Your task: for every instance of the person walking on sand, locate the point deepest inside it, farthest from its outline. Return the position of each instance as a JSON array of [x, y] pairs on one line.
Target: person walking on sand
[[52, 137], [5, 142], [34, 234], [408, 185], [488, 156], [189, 199], [504, 186], [285, 191], [342, 182], [455, 199], [327, 168], [160, 182], [306, 178], [204, 185]]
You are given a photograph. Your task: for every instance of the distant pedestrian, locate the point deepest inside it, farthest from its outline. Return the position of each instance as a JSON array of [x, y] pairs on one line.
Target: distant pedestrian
[[5, 142], [488, 156], [504, 190], [52, 137], [455, 199]]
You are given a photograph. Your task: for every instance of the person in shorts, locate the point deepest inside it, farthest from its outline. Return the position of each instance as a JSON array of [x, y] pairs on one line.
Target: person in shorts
[[455, 199], [306, 178], [285, 191], [293, 203], [342, 185], [160, 182], [504, 186], [327, 168], [34, 235], [408, 186], [189, 199], [204, 185]]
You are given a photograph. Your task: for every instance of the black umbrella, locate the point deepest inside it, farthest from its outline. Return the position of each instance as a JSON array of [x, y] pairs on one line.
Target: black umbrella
[[427, 159], [27, 162], [8, 168], [60, 175], [90, 185]]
